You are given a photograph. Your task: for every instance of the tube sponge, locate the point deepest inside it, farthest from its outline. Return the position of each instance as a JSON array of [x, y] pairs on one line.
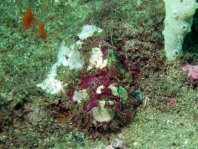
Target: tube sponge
[[178, 22]]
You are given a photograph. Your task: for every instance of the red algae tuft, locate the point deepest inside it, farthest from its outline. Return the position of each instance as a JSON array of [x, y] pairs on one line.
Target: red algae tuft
[[28, 18], [42, 31]]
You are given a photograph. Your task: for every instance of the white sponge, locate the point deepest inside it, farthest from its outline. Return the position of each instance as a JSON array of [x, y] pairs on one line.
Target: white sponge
[[178, 22]]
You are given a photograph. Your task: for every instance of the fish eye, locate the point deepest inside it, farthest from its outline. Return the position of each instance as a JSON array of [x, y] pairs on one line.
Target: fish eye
[[93, 84]]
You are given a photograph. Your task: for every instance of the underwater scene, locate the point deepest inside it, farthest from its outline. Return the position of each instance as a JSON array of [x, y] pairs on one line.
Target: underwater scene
[[98, 74]]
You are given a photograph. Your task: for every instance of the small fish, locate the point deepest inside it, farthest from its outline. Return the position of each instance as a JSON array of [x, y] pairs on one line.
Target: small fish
[[139, 98], [139, 95], [3, 52], [78, 138]]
